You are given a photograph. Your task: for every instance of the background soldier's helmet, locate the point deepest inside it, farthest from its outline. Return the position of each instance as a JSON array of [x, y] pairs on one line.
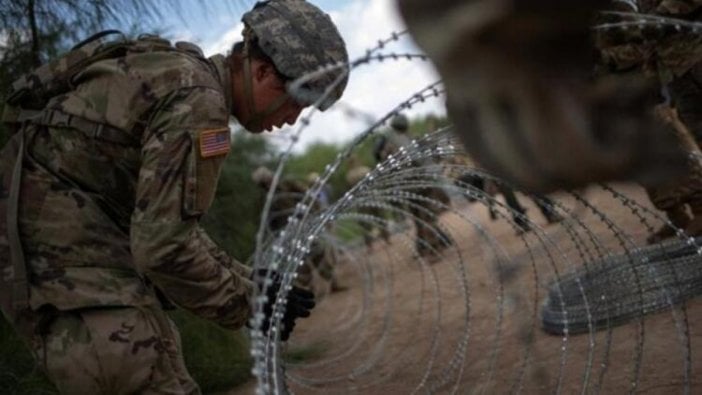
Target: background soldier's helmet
[[400, 123], [262, 176], [300, 39], [312, 177]]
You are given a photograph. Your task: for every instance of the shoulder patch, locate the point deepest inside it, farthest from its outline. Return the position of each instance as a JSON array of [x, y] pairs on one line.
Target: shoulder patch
[[214, 142]]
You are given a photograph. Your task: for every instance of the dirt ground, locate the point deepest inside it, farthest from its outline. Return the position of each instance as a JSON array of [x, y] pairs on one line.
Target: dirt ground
[[470, 322]]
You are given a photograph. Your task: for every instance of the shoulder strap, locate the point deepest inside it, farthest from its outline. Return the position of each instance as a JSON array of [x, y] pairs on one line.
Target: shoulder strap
[[92, 130], [20, 287], [34, 89]]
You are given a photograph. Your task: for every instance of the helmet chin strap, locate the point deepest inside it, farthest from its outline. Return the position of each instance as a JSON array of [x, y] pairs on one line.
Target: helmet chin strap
[[255, 122]]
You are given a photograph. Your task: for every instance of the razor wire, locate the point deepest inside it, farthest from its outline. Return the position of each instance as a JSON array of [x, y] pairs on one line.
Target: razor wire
[[456, 302]]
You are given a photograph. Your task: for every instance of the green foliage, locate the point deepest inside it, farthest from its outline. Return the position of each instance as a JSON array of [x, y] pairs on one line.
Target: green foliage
[[218, 359], [18, 371], [34, 31], [348, 230], [318, 155], [313, 160]]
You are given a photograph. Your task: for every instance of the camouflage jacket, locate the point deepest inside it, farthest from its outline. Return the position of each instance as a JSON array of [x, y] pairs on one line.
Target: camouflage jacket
[[659, 37], [356, 174], [102, 222]]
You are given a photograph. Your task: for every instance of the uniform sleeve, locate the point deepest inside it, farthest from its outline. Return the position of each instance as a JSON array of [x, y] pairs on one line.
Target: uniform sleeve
[[222, 257], [176, 183]]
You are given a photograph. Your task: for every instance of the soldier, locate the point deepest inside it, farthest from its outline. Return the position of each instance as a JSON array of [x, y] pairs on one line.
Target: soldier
[[116, 156], [492, 187], [325, 193], [393, 139], [356, 172], [288, 194], [670, 56], [430, 239], [520, 94]]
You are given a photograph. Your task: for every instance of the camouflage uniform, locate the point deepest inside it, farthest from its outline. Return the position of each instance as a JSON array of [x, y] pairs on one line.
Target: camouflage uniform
[[355, 174], [109, 220], [429, 238], [490, 187], [116, 154], [671, 53]]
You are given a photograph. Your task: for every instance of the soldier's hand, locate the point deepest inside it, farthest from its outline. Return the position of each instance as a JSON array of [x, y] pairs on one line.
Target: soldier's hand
[[298, 304]]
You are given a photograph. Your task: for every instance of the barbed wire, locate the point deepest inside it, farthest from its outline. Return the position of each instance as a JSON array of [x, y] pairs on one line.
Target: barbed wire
[[453, 301]]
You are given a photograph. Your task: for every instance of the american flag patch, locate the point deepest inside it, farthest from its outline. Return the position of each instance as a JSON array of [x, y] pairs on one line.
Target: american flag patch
[[214, 142]]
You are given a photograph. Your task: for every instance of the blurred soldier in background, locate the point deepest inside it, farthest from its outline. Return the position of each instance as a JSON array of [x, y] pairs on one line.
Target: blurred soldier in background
[[325, 193], [288, 193], [115, 158], [356, 172], [394, 138], [430, 239], [468, 177], [520, 94]]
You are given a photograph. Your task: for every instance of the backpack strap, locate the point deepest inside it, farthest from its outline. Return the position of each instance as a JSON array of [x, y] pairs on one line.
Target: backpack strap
[[92, 129], [20, 289], [34, 89], [99, 36]]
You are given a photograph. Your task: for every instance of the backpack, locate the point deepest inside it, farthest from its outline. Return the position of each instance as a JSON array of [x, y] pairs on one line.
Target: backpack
[[25, 103]]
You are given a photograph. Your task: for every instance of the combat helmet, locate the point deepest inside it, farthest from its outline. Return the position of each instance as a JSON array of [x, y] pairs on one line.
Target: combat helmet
[[300, 38], [400, 123], [262, 176]]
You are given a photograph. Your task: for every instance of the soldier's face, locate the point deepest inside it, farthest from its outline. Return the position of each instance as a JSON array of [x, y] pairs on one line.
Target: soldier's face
[[269, 89]]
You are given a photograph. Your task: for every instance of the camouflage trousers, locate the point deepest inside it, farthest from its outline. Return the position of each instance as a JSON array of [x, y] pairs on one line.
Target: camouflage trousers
[[429, 238], [688, 188], [128, 350], [369, 227]]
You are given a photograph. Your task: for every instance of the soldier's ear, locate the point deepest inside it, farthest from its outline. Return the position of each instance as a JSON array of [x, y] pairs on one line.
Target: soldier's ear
[[262, 70]]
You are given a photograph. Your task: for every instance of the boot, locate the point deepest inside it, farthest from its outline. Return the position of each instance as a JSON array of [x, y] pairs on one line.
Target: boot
[[368, 241], [680, 219], [522, 225], [385, 234], [492, 211], [553, 217]]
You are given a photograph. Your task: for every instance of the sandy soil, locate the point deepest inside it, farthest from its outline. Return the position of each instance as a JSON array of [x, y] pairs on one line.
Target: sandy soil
[[470, 323]]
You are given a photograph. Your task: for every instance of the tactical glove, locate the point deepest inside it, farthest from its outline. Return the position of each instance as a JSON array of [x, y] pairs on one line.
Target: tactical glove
[[298, 304]]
